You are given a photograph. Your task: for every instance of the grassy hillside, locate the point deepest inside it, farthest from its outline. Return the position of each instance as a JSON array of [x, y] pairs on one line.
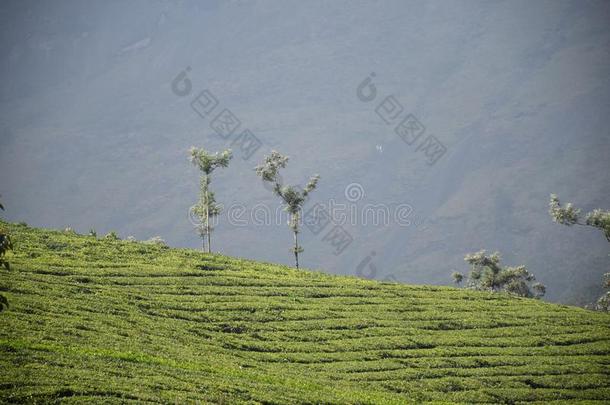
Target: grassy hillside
[[118, 321]]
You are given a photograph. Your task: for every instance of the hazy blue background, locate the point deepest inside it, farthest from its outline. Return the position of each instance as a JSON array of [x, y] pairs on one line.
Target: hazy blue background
[[518, 91]]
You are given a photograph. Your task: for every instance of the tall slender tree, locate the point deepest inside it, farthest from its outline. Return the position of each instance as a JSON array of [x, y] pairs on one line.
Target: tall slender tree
[[293, 197], [206, 206], [598, 218], [569, 215]]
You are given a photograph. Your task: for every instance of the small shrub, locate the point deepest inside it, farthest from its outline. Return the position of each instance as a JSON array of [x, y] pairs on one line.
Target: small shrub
[[486, 274], [112, 235], [56, 245], [3, 303], [156, 240], [5, 245]]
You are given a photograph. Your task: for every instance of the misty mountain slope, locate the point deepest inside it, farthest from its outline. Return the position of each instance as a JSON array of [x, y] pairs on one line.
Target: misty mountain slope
[[95, 137], [117, 321]]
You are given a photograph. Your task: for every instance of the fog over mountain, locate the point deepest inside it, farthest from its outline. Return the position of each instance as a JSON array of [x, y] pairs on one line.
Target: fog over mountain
[[93, 133]]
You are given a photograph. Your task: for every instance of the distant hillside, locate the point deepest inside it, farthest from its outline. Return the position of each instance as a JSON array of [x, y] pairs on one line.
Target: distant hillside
[[126, 321], [92, 134]]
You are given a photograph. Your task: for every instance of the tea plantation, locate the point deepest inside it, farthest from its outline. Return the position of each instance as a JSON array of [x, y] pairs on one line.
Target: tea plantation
[[116, 321]]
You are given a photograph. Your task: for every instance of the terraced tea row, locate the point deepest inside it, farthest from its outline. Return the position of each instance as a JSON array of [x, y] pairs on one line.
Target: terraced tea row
[[148, 323]]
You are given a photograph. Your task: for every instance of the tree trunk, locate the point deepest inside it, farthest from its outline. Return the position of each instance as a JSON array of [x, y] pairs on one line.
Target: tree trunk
[[207, 224], [207, 215], [296, 249]]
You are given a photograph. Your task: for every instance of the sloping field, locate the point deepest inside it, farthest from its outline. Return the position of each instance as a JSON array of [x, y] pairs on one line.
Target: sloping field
[[119, 321]]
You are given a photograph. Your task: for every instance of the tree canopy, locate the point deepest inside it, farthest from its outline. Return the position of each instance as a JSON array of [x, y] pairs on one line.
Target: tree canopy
[[487, 274]]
